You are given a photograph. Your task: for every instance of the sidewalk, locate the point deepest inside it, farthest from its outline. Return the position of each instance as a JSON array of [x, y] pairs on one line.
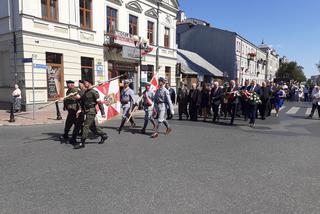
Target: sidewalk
[[25, 118]]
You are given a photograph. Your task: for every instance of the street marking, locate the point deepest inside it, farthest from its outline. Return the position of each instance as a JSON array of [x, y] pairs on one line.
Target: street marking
[[308, 112], [274, 110], [293, 110]]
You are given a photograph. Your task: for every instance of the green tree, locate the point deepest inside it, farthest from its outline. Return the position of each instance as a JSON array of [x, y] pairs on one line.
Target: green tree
[[290, 71], [318, 66]]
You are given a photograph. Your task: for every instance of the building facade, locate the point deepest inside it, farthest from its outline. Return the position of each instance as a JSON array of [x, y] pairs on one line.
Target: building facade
[[273, 61], [67, 40], [154, 23]]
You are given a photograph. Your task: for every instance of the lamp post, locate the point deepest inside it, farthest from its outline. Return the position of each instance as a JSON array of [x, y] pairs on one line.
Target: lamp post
[[142, 44]]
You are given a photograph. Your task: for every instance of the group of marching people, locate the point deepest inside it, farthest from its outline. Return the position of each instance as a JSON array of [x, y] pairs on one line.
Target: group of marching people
[[230, 99]]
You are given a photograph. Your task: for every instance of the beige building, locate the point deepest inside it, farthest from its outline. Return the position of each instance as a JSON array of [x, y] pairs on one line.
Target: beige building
[[67, 40]]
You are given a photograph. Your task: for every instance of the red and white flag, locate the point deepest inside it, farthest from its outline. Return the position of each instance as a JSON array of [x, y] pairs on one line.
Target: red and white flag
[[154, 82], [110, 97]]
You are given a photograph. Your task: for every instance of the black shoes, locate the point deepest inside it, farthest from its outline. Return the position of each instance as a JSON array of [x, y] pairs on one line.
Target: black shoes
[[103, 138]]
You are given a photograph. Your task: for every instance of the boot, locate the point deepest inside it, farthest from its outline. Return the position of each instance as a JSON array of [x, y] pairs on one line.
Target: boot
[[72, 141], [121, 126], [103, 138], [155, 135], [143, 131], [168, 131], [80, 145], [64, 138]]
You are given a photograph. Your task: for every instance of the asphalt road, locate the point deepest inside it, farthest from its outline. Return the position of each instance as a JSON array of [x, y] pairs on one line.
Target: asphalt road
[[199, 168]]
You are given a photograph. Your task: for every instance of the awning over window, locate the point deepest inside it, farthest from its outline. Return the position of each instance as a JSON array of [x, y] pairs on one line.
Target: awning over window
[[193, 64]]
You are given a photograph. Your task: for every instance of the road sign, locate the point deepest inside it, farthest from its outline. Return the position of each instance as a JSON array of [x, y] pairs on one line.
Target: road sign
[[26, 60], [40, 66]]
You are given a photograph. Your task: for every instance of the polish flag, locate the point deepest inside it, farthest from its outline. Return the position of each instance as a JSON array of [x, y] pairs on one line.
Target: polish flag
[[110, 97]]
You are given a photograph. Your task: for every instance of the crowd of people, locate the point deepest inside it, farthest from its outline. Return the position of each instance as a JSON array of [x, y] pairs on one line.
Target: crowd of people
[[230, 100], [216, 101]]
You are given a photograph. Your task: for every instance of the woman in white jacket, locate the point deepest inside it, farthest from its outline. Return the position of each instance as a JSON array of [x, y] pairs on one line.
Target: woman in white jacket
[[315, 101], [16, 98]]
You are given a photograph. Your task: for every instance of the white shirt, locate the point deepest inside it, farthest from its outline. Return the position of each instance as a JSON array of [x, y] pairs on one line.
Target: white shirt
[[17, 93]]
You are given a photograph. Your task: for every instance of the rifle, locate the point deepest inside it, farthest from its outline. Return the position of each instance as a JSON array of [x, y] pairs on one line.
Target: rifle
[[75, 93]]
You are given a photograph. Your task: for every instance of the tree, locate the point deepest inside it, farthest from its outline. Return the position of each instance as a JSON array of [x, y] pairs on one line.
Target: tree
[[318, 66], [290, 71]]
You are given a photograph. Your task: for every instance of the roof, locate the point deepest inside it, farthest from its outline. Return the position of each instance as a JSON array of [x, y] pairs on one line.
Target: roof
[[192, 63]]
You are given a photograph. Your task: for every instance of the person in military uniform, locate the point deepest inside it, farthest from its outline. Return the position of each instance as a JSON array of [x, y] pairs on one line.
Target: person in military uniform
[[90, 100], [127, 102], [148, 105], [162, 101], [70, 104], [182, 99], [80, 114]]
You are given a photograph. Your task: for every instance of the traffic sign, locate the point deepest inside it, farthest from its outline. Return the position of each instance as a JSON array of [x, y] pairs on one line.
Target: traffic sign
[[26, 60], [40, 66]]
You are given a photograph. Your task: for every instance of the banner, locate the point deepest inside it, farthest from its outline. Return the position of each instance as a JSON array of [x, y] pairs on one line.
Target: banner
[[110, 97]]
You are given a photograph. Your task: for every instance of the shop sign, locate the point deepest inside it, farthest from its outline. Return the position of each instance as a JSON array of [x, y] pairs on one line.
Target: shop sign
[[130, 52], [121, 38]]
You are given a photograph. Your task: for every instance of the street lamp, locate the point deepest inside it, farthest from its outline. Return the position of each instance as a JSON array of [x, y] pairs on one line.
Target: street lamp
[[142, 44]]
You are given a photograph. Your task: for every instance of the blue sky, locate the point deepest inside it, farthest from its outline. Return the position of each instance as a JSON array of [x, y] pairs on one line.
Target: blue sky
[[292, 27]]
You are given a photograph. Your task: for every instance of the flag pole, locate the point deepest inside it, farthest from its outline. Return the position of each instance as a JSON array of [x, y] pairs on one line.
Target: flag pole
[[75, 93]]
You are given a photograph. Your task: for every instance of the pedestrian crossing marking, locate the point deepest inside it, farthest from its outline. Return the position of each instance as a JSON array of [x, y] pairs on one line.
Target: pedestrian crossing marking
[[293, 110], [308, 112]]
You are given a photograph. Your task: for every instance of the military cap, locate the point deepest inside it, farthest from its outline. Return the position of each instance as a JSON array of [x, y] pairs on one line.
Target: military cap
[[126, 81], [147, 83], [88, 80], [162, 79], [81, 81], [70, 82]]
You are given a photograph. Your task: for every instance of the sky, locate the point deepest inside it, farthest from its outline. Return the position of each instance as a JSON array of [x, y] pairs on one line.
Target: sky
[[292, 27]]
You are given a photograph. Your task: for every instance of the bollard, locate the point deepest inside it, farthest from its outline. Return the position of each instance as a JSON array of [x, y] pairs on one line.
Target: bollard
[[58, 112], [11, 114]]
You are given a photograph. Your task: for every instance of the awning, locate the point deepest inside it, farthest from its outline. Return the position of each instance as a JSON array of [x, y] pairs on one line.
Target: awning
[[192, 63]]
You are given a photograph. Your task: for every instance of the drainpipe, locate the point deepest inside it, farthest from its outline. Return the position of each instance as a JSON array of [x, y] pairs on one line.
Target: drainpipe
[[13, 26], [157, 39]]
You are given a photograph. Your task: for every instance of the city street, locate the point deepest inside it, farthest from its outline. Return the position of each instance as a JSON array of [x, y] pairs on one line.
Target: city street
[[198, 168]]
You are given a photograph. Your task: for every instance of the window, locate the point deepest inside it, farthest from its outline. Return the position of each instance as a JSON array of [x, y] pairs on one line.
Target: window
[[112, 16], [150, 32], [86, 14], [133, 25], [168, 74], [166, 37], [49, 9], [87, 68]]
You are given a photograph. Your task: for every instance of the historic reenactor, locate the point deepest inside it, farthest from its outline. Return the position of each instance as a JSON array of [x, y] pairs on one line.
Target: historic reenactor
[[80, 114], [193, 102], [148, 106], [182, 98], [172, 93], [90, 100], [232, 95], [215, 99], [70, 104], [127, 102], [162, 101]]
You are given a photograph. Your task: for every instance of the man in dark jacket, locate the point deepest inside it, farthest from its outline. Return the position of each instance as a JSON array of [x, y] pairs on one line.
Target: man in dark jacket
[[264, 93], [193, 102], [182, 99], [216, 96]]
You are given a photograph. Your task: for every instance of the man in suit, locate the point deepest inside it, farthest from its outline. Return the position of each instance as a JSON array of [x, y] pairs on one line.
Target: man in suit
[[252, 107], [264, 93], [215, 98], [233, 99], [244, 100]]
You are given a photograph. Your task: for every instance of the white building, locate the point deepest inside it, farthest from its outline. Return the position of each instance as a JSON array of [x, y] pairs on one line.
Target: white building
[[272, 61], [152, 21], [68, 36]]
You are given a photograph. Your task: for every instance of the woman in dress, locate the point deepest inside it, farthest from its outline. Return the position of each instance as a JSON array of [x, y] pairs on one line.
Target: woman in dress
[[204, 101], [279, 97]]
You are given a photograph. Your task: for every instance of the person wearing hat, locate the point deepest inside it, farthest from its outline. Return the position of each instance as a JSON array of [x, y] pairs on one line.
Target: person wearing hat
[[162, 101], [148, 105], [90, 99], [127, 102], [70, 104], [80, 114]]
